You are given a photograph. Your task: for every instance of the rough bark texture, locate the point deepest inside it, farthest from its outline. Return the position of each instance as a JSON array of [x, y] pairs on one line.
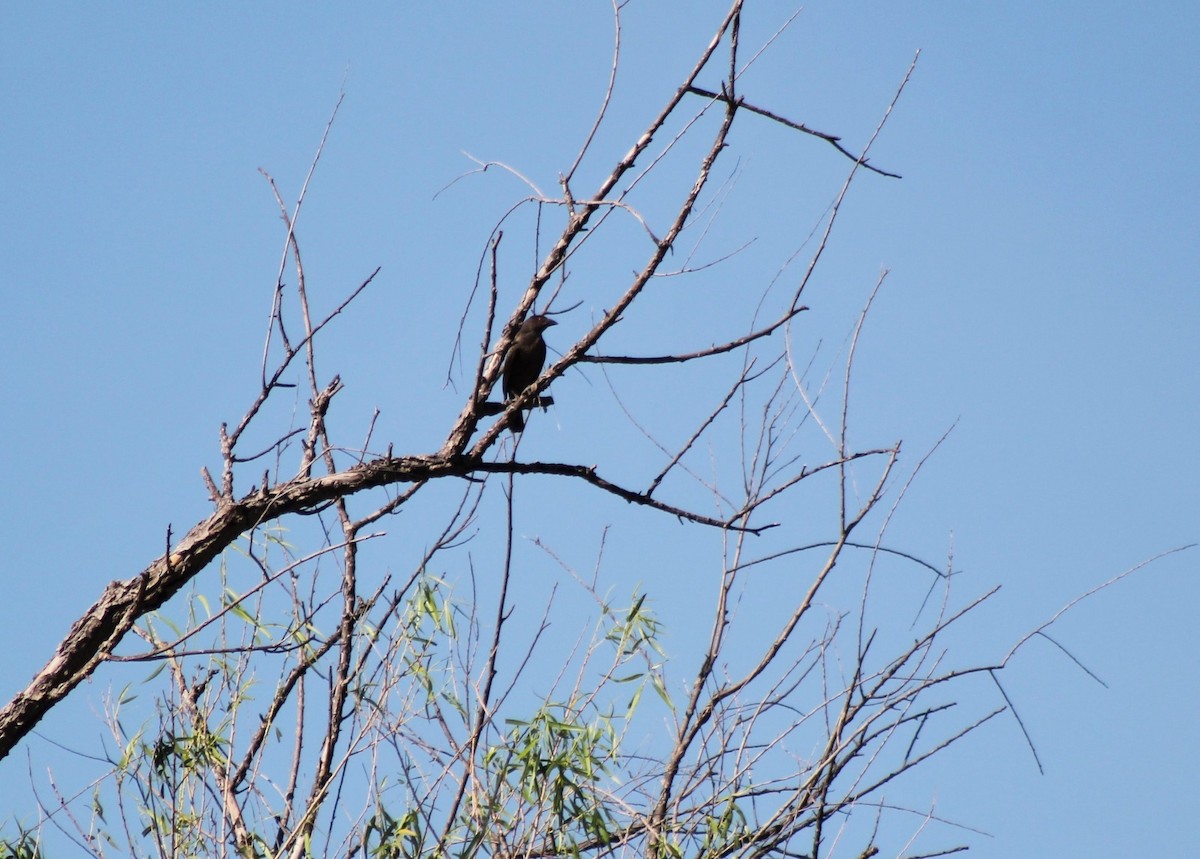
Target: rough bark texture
[[94, 636]]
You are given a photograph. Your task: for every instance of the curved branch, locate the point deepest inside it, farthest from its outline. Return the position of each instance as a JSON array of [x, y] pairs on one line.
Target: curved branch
[[702, 353], [587, 474]]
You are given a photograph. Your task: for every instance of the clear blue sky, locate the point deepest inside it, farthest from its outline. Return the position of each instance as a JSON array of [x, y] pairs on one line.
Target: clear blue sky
[[1043, 292]]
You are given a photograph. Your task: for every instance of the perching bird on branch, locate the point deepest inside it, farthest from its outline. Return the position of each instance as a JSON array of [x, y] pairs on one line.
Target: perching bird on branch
[[524, 361]]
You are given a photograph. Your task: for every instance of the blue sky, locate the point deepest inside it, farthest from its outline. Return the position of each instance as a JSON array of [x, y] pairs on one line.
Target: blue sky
[[1042, 250]]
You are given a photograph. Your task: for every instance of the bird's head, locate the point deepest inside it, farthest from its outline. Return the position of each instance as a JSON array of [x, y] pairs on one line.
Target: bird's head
[[538, 323]]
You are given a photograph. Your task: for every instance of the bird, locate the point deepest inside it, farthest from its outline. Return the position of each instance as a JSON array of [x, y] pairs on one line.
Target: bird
[[523, 363]]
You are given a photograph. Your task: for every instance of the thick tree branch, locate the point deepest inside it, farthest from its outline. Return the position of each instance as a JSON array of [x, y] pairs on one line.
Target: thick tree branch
[[94, 636]]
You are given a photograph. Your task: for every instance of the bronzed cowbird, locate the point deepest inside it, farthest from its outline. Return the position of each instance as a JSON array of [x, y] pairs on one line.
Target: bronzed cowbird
[[524, 361]]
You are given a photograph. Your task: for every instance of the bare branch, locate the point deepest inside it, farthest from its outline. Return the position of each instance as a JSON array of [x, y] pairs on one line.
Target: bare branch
[[831, 139]]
